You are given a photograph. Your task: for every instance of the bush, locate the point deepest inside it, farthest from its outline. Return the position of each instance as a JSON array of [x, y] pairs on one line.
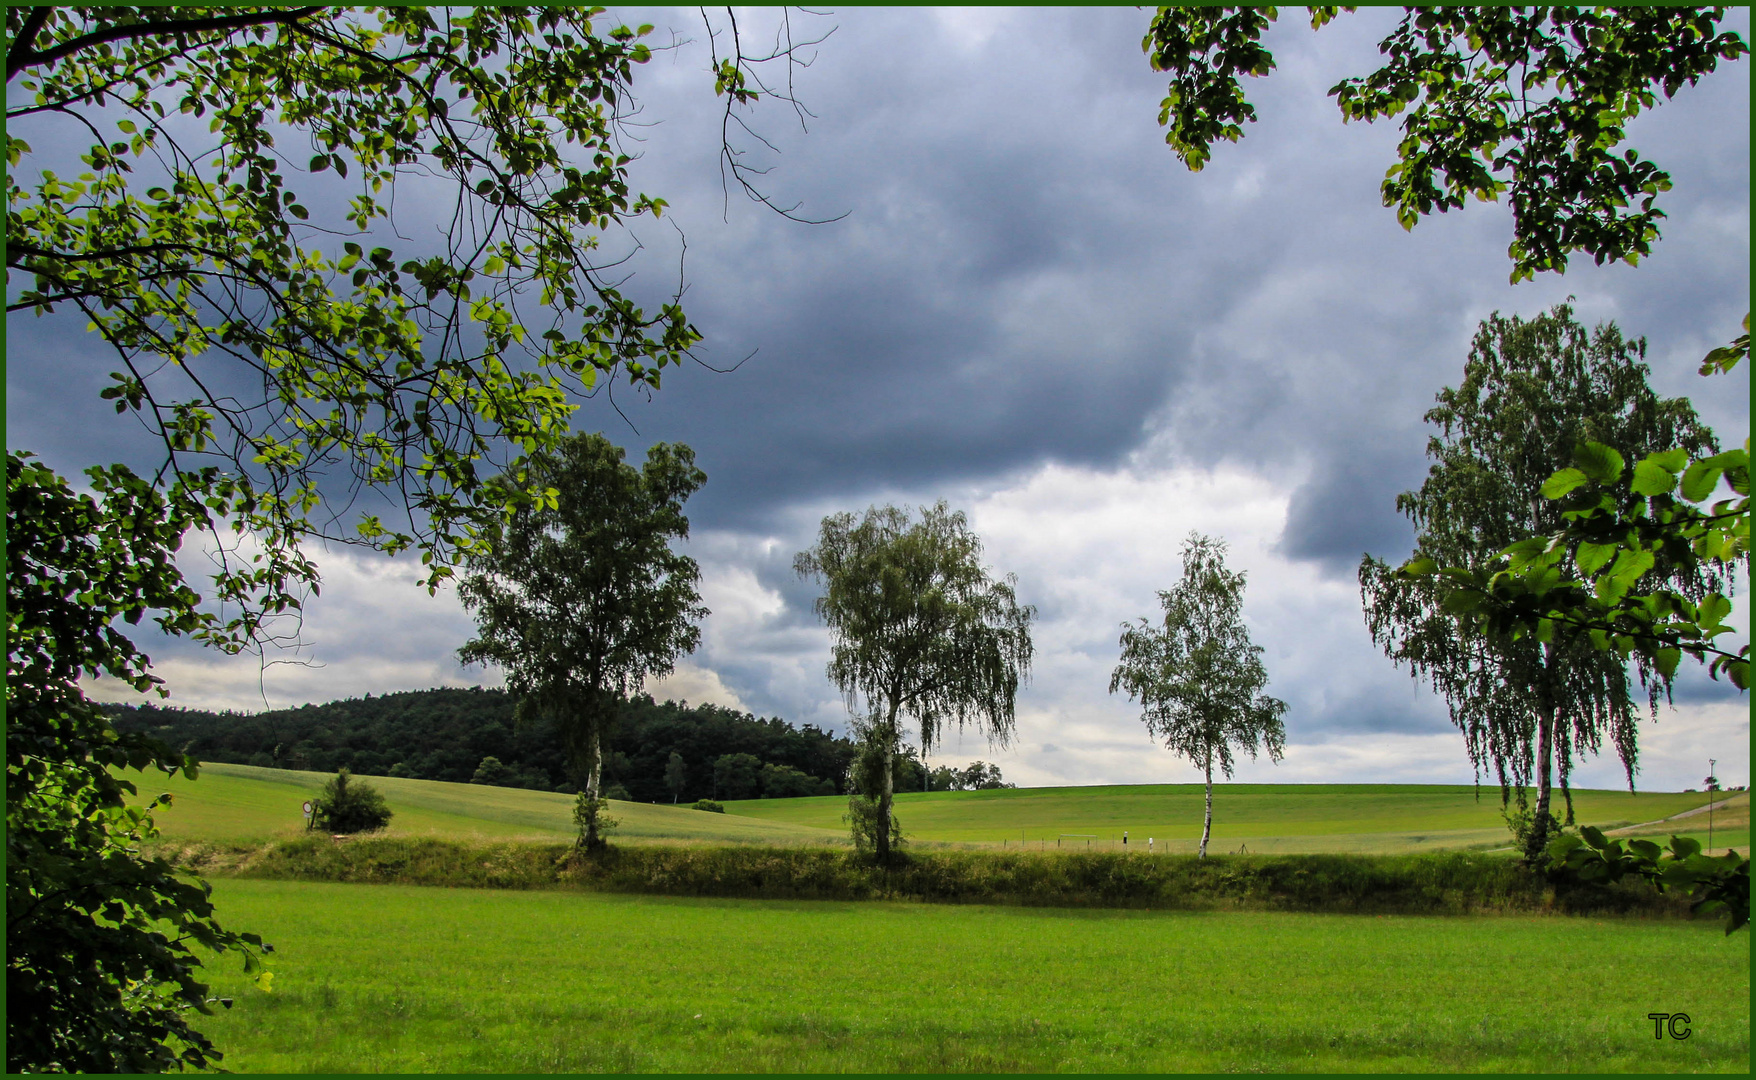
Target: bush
[[710, 806], [617, 791], [593, 820], [494, 772], [1521, 821], [350, 806]]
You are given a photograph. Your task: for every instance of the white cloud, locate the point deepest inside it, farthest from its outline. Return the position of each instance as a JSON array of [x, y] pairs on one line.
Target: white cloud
[[696, 685]]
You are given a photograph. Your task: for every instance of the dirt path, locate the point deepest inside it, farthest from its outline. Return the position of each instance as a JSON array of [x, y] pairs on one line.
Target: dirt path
[[1722, 804]]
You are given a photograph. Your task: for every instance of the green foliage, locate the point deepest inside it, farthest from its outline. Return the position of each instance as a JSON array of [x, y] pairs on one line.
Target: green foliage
[[736, 776], [919, 629], [492, 771], [785, 782], [593, 820], [867, 808], [1522, 821], [578, 595], [977, 776], [1432, 883], [347, 805], [709, 805], [101, 961], [195, 255], [1527, 103], [1532, 391], [1595, 573], [1722, 883], [1200, 678], [1726, 357]]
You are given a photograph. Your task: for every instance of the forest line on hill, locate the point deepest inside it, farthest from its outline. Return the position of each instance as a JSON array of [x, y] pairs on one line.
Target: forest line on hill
[[468, 735], [451, 734]]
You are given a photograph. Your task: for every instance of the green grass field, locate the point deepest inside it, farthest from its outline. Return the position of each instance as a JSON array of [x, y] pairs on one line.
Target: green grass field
[[391, 978], [1268, 818], [241, 803]]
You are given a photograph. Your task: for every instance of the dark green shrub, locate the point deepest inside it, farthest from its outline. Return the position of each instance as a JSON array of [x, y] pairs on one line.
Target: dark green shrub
[[349, 806], [617, 791], [710, 806], [593, 819], [494, 772], [1522, 822]]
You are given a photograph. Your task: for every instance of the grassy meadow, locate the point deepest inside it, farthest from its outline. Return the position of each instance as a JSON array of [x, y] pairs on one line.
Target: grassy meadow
[[244, 804], [1267, 818], [395, 978], [553, 976]]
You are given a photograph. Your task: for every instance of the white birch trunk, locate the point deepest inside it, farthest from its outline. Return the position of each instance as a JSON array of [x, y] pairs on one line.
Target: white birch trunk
[[1207, 822]]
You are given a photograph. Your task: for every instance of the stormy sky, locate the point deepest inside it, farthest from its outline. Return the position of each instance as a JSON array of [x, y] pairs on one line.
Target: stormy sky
[[1029, 308]]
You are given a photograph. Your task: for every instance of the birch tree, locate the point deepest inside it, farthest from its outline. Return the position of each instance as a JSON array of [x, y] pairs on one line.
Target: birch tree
[[580, 597], [1532, 392], [920, 631], [1198, 677]]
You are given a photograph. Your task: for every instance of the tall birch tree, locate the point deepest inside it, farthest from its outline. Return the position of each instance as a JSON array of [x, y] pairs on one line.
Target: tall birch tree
[[579, 597], [920, 631], [1532, 393], [1198, 677]]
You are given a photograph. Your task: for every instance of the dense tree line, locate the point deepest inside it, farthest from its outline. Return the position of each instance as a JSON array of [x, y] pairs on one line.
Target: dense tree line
[[446, 734]]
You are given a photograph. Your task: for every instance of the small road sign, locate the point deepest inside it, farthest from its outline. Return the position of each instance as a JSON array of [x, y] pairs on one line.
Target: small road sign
[[307, 807]]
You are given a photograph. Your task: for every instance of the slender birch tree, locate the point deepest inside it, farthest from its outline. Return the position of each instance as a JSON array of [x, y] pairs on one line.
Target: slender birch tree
[[1198, 677], [920, 631], [580, 597]]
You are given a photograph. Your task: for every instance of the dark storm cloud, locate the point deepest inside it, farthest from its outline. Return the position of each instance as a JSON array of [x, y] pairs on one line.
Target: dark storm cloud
[[1344, 513], [1026, 274]]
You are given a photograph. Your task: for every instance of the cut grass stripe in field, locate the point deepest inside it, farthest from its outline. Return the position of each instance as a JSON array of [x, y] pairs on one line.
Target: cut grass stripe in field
[[389, 978]]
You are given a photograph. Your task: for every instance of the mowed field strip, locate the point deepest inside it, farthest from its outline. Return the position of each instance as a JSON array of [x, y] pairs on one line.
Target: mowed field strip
[[241, 803], [382, 978]]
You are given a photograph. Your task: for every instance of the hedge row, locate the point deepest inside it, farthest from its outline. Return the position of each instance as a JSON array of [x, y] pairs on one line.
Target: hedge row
[[1439, 883]]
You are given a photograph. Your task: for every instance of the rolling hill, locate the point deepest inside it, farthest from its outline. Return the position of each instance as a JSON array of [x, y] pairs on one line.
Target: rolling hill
[[242, 804]]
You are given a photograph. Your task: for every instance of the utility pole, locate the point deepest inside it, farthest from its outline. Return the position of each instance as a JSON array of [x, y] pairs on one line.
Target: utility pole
[[1712, 782]]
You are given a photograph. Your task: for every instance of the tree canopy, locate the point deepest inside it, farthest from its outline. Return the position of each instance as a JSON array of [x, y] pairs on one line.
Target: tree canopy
[[447, 734], [1531, 392], [1199, 678], [919, 629], [1527, 103], [220, 233], [102, 963], [578, 596]]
